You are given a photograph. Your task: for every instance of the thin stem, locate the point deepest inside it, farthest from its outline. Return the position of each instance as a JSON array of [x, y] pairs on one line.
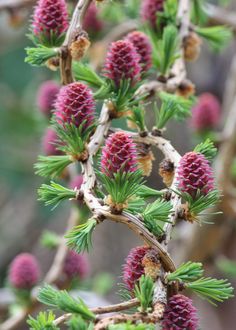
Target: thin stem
[[103, 310]]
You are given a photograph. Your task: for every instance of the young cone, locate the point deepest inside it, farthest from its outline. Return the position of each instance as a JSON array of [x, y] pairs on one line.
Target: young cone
[[24, 271], [76, 265], [143, 47], [180, 314], [122, 62], [133, 267], [48, 143], [119, 153], [92, 23], [149, 10], [195, 174], [75, 104], [50, 19], [46, 96], [206, 113]]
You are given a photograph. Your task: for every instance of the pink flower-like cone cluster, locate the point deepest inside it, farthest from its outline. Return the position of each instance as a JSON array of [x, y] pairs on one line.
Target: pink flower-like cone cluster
[[50, 18], [24, 271], [122, 62], [76, 265], [133, 268], [143, 47], [194, 173], [92, 23], [180, 314], [76, 182], [149, 10], [75, 105], [49, 143], [119, 153], [206, 113], [46, 96]]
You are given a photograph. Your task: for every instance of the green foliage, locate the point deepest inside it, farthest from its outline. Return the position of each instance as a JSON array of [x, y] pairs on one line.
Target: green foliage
[[183, 105], [198, 13], [206, 148], [49, 41], [123, 97], [62, 300], [156, 212], [84, 72], [44, 321], [200, 202], [166, 50], [52, 166], [122, 185], [226, 266], [76, 322], [146, 192], [217, 36], [38, 56], [138, 118], [72, 139], [55, 193], [128, 326], [49, 239], [80, 237], [144, 292], [136, 204], [168, 16], [211, 289], [102, 283], [172, 106], [131, 8], [165, 113], [113, 13], [187, 272]]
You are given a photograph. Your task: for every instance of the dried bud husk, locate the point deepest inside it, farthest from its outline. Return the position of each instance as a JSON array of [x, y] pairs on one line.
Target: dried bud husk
[[114, 113], [185, 214], [186, 89], [192, 47], [129, 122], [145, 158], [152, 264], [116, 208], [79, 46], [166, 171], [53, 63]]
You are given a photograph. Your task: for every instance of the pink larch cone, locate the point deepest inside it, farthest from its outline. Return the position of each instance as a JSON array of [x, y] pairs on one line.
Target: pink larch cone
[[143, 47], [50, 18], [133, 267], [24, 271], [76, 265], [206, 113], [149, 10], [122, 62], [75, 104], [180, 314], [49, 143], [46, 96], [92, 23], [119, 153], [194, 173]]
